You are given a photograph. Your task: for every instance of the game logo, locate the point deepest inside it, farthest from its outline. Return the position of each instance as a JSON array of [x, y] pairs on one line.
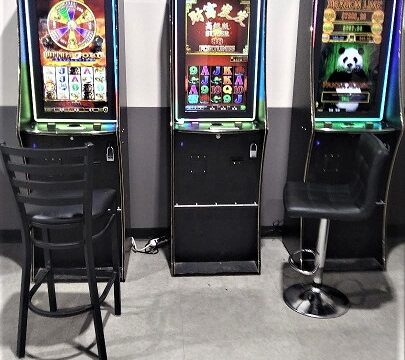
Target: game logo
[[72, 47], [353, 57], [216, 55]]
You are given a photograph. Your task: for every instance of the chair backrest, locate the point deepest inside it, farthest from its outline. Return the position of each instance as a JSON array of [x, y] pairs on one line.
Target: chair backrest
[[50, 177], [370, 159]]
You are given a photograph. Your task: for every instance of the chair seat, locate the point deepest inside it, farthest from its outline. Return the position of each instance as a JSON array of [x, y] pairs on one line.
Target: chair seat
[[103, 199], [314, 200]]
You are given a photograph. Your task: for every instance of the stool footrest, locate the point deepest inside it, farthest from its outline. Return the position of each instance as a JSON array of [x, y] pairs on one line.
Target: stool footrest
[[66, 312], [295, 267]]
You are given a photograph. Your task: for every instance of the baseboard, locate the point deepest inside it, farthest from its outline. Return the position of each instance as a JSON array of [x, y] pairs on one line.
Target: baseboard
[[396, 230], [271, 231], [10, 236], [147, 233], [14, 236]]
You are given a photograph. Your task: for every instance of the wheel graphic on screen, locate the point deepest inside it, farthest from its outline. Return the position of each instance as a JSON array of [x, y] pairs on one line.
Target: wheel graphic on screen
[[71, 25]]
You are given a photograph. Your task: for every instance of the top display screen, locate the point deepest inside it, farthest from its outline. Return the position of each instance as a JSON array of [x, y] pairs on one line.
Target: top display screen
[[217, 72], [353, 40], [72, 60]]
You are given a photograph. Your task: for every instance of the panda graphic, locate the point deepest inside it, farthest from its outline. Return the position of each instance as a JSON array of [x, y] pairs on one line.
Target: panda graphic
[[349, 72]]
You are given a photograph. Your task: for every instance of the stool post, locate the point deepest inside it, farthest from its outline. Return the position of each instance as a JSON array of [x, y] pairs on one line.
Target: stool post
[[315, 299], [321, 247]]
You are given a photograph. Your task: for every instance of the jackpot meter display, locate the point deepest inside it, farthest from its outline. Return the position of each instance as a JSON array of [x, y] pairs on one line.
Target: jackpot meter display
[[352, 58], [216, 61], [72, 64]]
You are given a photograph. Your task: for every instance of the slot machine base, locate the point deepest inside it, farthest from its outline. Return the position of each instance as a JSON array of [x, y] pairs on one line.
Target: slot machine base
[[215, 268], [216, 240], [215, 214]]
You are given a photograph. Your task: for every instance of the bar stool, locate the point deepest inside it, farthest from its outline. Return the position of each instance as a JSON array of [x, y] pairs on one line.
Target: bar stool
[[53, 189], [354, 201]]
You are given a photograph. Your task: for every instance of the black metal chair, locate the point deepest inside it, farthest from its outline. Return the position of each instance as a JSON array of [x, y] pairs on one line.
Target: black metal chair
[[354, 201], [53, 189]]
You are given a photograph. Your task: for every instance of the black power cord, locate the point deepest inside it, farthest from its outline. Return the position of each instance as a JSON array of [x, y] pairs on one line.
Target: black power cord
[[276, 230]]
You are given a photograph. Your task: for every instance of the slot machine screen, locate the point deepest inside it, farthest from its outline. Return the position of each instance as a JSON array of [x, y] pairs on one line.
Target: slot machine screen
[[217, 57], [72, 60], [351, 58]]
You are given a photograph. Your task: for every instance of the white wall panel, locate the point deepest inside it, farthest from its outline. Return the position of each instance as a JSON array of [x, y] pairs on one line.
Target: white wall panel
[[147, 46], [282, 24], [8, 53]]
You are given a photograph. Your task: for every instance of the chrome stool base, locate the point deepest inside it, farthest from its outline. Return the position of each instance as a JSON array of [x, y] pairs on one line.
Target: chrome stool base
[[317, 301]]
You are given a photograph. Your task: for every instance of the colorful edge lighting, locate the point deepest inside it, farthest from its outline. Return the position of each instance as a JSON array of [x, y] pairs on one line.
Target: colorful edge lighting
[[226, 115], [31, 71], [115, 40], [25, 108], [393, 87], [382, 106]]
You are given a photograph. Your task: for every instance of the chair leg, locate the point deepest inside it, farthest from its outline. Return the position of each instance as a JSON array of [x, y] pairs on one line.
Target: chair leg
[[116, 267], [95, 301], [24, 298], [50, 277]]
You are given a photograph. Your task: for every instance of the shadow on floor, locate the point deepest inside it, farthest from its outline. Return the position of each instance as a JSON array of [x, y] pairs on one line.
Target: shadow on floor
[[365, 290], [48, 333], [166, 252], [43, 331], [13, 251]]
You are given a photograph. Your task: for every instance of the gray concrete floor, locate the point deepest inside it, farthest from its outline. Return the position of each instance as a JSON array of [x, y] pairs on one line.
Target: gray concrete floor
[[198, 318]]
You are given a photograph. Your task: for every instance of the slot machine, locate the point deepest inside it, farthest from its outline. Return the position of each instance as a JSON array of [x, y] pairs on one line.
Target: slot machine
[[218, 135], [72, 92], [346, 83]]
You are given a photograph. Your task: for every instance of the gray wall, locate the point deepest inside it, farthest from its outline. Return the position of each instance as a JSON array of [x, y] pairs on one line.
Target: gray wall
[[147, 78], [147, 85], [8, 210], [396, 199], [148, 148]]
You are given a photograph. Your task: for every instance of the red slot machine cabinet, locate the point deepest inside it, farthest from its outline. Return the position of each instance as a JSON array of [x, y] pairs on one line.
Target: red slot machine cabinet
[[72, 91], [218, 135]]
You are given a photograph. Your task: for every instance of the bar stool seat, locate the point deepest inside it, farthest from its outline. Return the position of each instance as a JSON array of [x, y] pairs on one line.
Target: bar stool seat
[[353, 201], [313, 200]]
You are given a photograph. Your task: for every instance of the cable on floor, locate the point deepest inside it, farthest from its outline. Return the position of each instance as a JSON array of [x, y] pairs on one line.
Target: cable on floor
[[151, 247]]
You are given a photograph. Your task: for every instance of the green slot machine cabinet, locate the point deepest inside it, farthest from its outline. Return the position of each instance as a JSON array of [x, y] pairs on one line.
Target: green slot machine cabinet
[[71, 92], [218, 135], [346, 83]]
